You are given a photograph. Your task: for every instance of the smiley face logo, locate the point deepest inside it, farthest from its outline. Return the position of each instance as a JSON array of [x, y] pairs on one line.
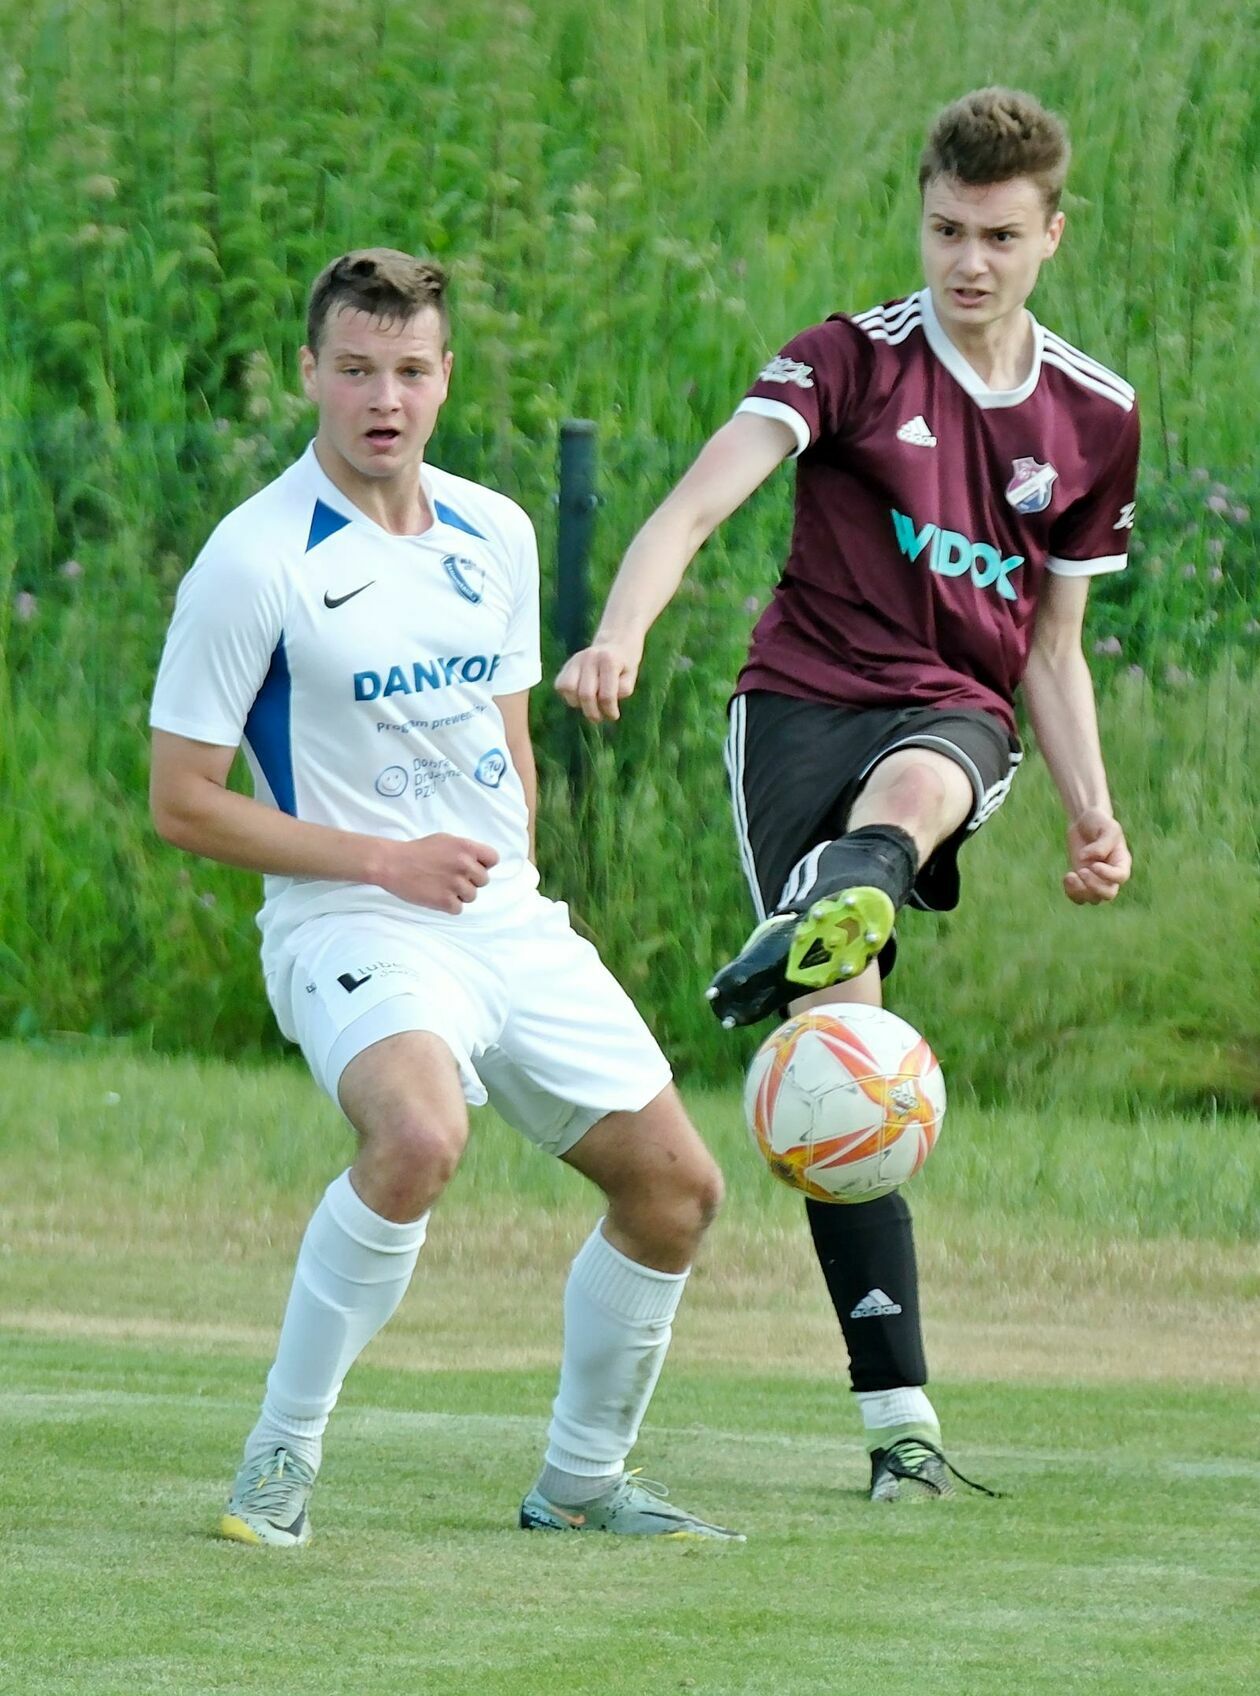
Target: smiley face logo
[[392, 782]]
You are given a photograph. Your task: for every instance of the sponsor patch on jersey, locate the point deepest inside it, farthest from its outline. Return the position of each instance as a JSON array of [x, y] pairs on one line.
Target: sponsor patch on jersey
[[784, 370], [468, 577], [490, 768], [1029, 489]]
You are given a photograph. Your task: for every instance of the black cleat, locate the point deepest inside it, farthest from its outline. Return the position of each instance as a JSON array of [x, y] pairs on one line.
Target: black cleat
[[791, 953], [914, 1470]]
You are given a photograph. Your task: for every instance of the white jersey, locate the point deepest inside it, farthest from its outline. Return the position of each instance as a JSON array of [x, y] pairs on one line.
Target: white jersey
[[358, 672]]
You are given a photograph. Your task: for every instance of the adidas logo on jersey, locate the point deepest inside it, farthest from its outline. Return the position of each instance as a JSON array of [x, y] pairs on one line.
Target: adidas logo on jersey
[[917, 433], [875, 1305]]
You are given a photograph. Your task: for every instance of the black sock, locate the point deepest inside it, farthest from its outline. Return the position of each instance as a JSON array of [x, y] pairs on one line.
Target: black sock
[[866, 1253], [881, 855]]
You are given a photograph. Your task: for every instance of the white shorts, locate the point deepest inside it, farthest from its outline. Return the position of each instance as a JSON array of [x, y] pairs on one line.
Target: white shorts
[[538, 1025]]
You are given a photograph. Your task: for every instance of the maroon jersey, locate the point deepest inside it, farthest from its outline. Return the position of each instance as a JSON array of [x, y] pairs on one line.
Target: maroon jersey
[[929, 508]]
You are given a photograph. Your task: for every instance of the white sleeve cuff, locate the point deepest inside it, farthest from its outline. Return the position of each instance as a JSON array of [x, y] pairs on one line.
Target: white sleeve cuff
[[1086, 567], [784, 413]]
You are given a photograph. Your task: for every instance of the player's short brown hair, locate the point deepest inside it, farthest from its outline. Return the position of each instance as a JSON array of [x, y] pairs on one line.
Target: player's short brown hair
[[379, 280], [994, 134]]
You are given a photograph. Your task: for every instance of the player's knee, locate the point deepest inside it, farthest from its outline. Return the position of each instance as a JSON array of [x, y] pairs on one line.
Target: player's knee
[[416, 1149]]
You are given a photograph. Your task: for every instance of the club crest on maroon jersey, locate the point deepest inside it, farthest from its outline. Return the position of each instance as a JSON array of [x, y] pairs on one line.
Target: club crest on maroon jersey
[[1029, 489]]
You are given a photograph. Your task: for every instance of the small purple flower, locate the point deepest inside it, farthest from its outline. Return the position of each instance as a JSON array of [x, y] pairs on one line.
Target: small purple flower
[[1175, 677], [751, 605], [208, 898], [1135, 672], [25, 606], [1188, 572], [1109, 645], [1240, 514], [1252, 627], [684, 662], [1217, 503], [1216, 575], [1199, 474], [70, 569], [1216, 546]]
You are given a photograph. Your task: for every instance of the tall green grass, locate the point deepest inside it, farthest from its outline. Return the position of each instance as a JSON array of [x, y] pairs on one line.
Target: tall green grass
[[638, 203]]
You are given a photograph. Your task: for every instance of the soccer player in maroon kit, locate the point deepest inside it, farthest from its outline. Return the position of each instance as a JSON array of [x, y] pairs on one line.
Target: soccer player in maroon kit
[[961, 475]]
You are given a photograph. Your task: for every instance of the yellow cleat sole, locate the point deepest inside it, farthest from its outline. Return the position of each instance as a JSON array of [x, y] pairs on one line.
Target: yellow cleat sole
[[238, 1530], [839, 937]]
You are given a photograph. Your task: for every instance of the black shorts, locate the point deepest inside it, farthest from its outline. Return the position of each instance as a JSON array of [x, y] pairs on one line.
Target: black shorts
[[796, 768]]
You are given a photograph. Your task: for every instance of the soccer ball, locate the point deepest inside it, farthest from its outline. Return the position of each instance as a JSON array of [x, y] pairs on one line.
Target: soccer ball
[[844, 1101]]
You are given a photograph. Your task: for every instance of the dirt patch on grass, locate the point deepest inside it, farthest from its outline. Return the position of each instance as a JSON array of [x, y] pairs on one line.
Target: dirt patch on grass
[[1001, 1303]]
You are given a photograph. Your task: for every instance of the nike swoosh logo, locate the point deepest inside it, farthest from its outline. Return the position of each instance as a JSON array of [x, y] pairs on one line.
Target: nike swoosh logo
[[331, 601]]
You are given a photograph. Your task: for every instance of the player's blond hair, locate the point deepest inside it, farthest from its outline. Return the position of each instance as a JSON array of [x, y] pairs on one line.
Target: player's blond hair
[[994, 134], [379, 280]]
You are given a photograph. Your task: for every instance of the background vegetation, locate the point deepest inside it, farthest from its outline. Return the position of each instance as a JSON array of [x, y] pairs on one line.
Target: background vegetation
[[639, 202]]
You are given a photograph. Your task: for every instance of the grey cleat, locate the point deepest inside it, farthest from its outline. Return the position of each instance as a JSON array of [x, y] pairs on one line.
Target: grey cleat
[[634, 1507]]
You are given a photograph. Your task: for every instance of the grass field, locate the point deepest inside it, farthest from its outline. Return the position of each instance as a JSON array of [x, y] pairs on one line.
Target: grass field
[[1102, 1376]]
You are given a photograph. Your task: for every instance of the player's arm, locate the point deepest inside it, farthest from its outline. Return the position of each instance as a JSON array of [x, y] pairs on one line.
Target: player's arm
[[515, 711], [193, 808], [1059, 694], [732, 463]]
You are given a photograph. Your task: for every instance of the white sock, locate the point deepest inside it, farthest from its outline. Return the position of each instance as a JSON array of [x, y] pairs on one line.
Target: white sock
[[889, 1414], [352, 1270], [618, 1316]]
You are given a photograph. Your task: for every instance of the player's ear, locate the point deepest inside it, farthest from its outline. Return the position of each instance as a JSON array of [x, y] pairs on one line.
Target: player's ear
[[1054, 233], [306, 369]]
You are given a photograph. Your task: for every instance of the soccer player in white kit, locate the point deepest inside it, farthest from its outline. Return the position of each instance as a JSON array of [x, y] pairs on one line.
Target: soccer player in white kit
[[365, 629], [961, 475]]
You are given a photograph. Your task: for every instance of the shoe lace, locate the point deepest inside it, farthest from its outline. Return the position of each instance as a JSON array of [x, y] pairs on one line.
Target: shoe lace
[[906, 1455], [280, 1483], [634, 1480]]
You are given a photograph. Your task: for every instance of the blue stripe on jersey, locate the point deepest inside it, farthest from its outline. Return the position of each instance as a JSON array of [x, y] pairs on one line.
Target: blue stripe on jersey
[[325, 522], [267, 730], [448, 515]]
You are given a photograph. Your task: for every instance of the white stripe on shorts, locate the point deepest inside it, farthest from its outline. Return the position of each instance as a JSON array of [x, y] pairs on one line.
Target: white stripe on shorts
[[734, 755]]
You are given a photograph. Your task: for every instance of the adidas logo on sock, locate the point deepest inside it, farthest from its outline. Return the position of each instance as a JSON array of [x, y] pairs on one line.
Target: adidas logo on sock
[[875, 1305], [917, 433]]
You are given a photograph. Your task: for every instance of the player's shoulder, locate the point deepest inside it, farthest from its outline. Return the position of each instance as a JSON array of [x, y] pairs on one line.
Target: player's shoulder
[[476, 508], [263, 532], [1085, 381], [891, 322]]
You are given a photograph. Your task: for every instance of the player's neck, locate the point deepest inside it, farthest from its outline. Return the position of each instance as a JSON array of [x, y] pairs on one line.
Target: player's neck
[[1001, 354], [397, 504]]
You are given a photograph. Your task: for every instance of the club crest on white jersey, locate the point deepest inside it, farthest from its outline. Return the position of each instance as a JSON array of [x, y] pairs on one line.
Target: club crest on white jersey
[[1029, 489]]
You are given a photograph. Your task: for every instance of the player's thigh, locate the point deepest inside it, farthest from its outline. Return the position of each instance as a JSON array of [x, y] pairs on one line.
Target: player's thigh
[[405, 1092], [573, 1047], [650, 1156], [794, 768]]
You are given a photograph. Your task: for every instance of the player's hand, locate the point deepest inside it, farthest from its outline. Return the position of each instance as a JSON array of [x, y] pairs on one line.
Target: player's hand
[[1099, 857], [442, 872], [598, 679]]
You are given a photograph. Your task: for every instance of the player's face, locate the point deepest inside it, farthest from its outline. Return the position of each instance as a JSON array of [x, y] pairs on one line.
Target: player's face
[[379, 386], [982, 248]]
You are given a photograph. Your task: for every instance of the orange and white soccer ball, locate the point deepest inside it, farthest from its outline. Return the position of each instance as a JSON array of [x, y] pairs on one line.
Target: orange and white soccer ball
[[845, 1102]]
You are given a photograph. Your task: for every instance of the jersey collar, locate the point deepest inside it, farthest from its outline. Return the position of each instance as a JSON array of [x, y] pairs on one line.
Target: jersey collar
[[328, 492], [965, 374]]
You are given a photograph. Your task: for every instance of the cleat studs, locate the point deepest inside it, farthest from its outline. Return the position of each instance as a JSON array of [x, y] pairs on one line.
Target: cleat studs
[[871, 936], [849, 901], [711, 994], [728, 1023], [846, 971]]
